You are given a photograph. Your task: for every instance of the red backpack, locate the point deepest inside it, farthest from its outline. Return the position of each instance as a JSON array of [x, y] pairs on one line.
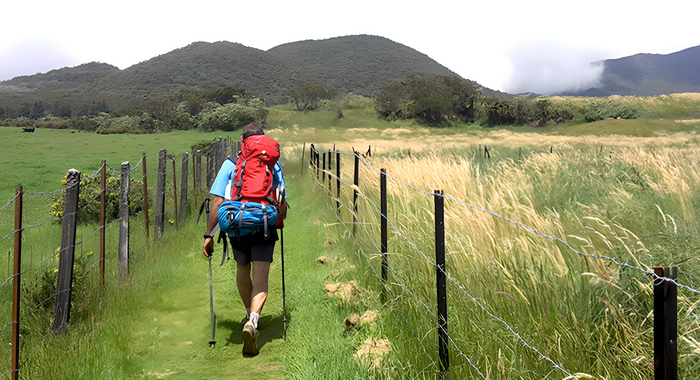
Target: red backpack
[[253, 178]]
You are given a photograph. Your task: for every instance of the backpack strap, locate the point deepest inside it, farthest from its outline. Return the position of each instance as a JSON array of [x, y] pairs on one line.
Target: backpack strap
[[222, 236], [266, 232]]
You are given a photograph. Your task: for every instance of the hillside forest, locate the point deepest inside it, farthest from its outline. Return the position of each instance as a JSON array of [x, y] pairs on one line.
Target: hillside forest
[[436, 101]]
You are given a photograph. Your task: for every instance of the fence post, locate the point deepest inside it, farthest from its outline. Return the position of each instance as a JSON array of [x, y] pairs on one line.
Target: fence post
[[385, 233], [194, 177], [318, 163], [183, 187], [124, 222], [441, 280], [103, 217], [210, 165], [160, 195], [356, 182], [337, 185], [16, 283], [330, 164], [65, 263], [303, 150], [323, 173], [665, 325], [145, 197], [175, 206], [198, 171]]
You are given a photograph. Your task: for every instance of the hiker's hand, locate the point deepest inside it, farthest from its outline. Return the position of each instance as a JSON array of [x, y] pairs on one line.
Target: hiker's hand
[[283, 210], [208, 247]]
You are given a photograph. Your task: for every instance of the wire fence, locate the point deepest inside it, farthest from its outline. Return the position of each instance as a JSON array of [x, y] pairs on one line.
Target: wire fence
[[51, 264], [348, 198]]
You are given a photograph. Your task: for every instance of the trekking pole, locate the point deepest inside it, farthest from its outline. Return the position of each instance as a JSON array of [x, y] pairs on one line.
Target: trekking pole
[[212, 342], [284, 293], [205, 208]]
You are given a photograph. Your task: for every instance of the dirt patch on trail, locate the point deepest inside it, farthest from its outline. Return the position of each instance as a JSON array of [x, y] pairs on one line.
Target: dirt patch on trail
[[345, 291]]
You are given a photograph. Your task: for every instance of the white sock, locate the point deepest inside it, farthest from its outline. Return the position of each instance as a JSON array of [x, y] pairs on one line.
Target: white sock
[[254, 318], [247, 313]]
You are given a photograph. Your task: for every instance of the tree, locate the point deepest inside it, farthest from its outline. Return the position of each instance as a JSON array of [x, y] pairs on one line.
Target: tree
[[307, 96]]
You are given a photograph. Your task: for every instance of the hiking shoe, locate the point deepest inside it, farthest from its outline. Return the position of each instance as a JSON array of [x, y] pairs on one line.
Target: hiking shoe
[[243, 322], [250, 340]]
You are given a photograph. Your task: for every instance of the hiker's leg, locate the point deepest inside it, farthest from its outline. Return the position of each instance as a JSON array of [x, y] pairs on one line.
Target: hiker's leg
[[245, 285], [261, 272]]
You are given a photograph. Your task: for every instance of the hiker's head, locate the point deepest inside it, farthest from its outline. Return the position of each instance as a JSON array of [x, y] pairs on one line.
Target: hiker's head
[[252, 129]]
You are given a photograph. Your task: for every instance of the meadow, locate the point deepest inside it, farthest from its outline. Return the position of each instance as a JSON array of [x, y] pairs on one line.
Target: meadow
[[619, 188]]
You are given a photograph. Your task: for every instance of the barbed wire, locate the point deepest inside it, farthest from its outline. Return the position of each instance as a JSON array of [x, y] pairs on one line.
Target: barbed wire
[[473, 299], [402, 287], [657, 278], [137, 165], [10, 201]]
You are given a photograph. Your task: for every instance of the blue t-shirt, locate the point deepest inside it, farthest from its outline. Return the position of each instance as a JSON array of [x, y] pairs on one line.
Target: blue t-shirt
[[222, 184]]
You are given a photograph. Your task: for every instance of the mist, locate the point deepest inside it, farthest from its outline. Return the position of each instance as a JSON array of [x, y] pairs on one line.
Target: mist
[[550, 68], [32, 56]]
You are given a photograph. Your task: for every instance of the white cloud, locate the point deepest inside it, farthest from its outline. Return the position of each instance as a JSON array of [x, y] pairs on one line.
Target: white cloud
[[31, 56], [550, 68]]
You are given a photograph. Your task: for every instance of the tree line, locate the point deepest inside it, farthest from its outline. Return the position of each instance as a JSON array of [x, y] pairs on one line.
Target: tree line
[[436, 100]]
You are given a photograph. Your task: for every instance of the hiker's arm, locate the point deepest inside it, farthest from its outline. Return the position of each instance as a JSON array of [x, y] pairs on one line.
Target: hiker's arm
[[208, 247]]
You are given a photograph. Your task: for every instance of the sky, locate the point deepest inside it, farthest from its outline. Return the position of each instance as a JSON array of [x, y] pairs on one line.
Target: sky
[[541, 46]]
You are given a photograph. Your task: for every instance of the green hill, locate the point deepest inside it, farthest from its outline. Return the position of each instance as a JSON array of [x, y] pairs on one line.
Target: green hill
[[360, 64]]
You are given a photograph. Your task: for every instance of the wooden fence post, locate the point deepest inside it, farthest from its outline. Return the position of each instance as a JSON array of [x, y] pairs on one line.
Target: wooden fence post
[[337, 185], [160, 195], [103, 217], [441, 280], [210, 165], [16, 283], [665, 325], [124, 222], [303, 150], [318, 164], [323, 173], [175, 203], [183, 187], [330, 164], [145, 198], [66, 253], [356, 182], [198, 171]]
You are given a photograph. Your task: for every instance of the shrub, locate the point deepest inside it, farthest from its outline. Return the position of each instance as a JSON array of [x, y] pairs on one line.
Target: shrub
[[88, 200], [601, 109]]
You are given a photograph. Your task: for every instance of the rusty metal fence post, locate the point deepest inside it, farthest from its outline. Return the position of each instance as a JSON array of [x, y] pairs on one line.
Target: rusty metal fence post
[[16, 283], [103, 217]]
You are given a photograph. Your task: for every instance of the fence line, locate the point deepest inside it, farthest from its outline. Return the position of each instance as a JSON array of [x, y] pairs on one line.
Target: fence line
[[664, 308], [413, 245], [532, 229], [71, 217]]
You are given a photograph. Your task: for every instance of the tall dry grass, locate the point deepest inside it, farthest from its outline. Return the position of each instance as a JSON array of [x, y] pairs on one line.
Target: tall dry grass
[[632, 200]]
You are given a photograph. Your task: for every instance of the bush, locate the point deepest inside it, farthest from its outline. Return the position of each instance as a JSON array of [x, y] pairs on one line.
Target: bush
[[230, 116], [601, 109], [89, 203]]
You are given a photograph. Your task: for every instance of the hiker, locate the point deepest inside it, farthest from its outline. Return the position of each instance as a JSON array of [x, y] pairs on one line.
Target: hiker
[[256, 247]]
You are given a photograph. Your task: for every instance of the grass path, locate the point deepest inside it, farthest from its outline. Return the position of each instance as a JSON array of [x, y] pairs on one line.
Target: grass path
[[169, 338], [171, 335]]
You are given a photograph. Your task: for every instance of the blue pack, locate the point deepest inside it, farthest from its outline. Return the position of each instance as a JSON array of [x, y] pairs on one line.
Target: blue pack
[[238, 218]]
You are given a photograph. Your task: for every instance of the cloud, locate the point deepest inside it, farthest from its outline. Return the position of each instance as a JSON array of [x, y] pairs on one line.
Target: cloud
[[551, 68], [32, 56]]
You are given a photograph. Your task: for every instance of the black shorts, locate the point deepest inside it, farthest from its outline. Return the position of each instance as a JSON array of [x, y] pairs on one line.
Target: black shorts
[[254, 247]]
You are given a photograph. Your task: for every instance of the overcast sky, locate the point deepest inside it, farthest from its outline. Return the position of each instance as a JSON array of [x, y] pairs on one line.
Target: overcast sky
[[511, 45]]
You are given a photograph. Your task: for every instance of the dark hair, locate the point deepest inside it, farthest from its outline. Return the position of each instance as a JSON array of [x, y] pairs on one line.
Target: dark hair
[[252, 129]]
